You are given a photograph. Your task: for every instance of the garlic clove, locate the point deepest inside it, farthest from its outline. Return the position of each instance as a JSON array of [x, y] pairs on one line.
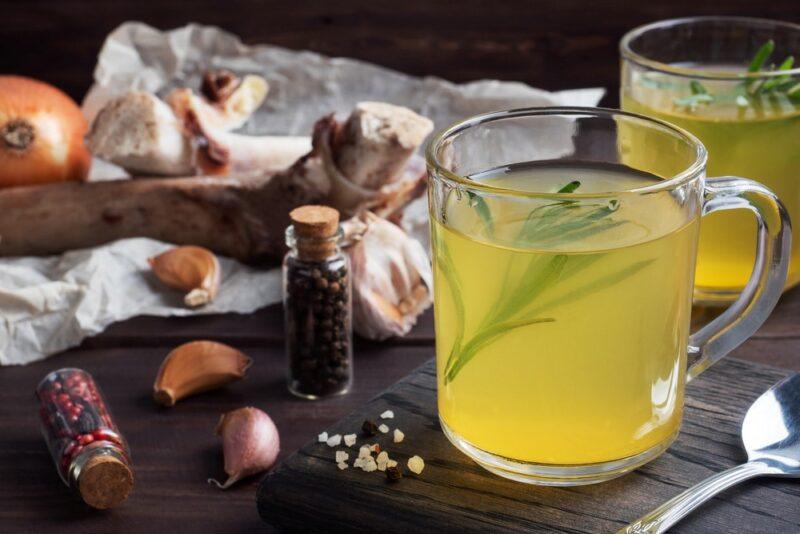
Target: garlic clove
[[192, 269], [195, 367], [250, 444], [392, 279]]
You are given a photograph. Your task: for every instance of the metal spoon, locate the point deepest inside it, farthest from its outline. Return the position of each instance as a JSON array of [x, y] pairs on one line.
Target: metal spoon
[[771, 437]]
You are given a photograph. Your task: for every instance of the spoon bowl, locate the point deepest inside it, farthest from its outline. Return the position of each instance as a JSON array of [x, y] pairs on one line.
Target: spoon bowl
[[771, 437], [771, 427]]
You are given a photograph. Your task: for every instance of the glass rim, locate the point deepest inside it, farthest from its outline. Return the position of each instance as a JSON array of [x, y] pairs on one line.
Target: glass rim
[[627, 52], [667, 184]]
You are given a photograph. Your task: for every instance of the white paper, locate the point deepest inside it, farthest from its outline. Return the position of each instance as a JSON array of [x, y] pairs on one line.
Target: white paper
[[50, 304]]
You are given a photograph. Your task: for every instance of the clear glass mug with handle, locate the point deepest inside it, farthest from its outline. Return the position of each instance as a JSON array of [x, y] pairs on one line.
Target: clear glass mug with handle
[[733, 82], [564, 254]]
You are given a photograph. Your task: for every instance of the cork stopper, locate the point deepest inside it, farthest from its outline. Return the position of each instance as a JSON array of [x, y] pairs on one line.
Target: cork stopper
[[105, 482], [315, 229]]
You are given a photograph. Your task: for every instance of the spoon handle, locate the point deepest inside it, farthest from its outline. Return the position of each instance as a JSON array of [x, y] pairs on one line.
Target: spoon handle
[[672, 511]]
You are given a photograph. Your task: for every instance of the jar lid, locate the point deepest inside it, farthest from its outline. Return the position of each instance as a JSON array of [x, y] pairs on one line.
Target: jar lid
[[105, 482], [315, 221], [316, 231]]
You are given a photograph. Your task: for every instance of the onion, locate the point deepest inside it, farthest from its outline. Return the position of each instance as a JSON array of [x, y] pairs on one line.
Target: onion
[[41, 134]]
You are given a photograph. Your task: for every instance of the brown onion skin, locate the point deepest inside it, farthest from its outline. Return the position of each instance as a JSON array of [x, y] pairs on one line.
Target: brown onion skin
[[56, 152]]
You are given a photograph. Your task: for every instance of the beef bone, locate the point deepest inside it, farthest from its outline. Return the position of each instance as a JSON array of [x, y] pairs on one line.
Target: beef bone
[[240, 217]]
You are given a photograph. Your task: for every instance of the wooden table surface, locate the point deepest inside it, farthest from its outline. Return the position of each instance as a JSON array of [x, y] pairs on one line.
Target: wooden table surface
[[553, 44], [175, 450]]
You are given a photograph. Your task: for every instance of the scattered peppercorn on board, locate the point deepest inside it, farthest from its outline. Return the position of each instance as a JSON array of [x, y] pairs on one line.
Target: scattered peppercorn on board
[[308, 492]]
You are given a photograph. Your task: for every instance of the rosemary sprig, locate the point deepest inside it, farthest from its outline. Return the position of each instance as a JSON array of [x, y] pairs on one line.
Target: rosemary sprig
[[700, 95], [479, 203], [521, 306], [747, 92]]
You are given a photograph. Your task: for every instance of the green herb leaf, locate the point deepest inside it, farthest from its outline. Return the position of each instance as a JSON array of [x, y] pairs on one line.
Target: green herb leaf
[[570, 187], [485, 337], [479, 203], [697, 88], [761, 57], [778, 81], [693, 101], [450, 274]]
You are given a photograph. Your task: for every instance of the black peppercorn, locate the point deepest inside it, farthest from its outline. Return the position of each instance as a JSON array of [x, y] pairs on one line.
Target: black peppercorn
[[317, 305], [369, 428], [394, 473]]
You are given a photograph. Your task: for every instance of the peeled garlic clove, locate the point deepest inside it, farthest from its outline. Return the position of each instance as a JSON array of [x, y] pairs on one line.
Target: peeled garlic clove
[[392, 279], [195, 367], [192, 269], [250, 444]]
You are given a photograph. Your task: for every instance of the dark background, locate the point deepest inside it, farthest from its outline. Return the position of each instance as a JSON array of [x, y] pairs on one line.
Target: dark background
[[549, 44], [552, 44]]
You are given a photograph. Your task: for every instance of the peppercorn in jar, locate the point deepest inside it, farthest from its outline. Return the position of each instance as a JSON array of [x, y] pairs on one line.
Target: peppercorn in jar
[[317, 304], [90, 454]]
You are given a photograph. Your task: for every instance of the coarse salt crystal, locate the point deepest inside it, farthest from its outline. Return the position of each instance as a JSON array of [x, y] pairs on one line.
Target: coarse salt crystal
[[334, 440], [369, 465], [388, 414], [398, 435], [358, 462], [364, 451], [416, 464], [383, 428], [342, 465], [391, 463], [322, 438], [382, 457], [341, 456], [349, 439]]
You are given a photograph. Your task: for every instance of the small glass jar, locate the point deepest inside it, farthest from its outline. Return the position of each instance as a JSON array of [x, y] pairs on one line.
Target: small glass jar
[[317, 304], [90, 454]]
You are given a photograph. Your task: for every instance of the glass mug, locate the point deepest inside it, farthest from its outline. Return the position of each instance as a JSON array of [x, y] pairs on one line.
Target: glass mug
[[694, 73], [563, 267]]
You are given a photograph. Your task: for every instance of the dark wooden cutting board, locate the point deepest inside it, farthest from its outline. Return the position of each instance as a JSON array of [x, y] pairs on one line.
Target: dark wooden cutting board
[[308, 492]]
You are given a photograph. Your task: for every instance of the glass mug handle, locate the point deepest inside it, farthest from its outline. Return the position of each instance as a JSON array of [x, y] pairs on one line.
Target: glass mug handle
[[741, 320]]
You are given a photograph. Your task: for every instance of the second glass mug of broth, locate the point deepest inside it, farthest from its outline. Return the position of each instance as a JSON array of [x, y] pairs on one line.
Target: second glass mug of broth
[[563, 274], [695, 73]]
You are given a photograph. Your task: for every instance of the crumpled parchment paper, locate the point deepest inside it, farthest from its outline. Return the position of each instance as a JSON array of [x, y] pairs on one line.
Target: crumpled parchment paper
[[50, 304]]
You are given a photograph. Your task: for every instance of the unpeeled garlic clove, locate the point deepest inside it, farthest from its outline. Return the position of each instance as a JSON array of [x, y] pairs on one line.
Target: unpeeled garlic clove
[[195, 367], [192, 269], [392, 278], [250, 444]]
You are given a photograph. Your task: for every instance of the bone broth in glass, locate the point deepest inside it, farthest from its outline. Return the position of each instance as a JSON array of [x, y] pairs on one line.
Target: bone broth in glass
[[733, 83], [563, 276]]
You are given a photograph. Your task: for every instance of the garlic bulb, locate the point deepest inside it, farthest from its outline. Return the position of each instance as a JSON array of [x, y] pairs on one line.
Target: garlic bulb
[[392, 278]]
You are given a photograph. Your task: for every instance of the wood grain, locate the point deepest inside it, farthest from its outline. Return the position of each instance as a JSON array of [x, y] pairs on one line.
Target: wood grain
[[553, 44], [309, 493]]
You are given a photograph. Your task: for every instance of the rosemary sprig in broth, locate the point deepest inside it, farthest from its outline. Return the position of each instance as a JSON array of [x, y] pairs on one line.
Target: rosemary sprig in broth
[[522, 305], [751, 89]]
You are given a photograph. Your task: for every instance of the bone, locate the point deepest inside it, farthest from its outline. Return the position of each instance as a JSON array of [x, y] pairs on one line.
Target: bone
[[386, 133], [218, 151], [227, 103], [143, 135], [239, 217], [140, 133]]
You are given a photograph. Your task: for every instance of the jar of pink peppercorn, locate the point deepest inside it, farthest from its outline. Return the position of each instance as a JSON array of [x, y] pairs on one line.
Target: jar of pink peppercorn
[[90, 454]]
